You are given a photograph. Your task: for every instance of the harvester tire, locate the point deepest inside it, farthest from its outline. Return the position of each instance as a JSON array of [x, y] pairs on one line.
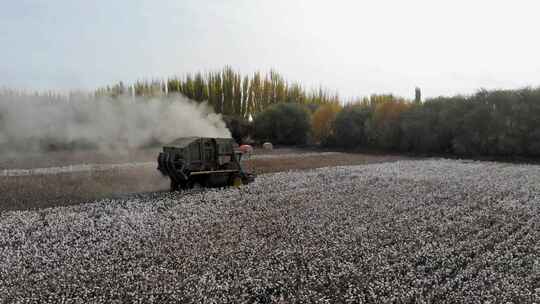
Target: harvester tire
[[236, 180], [197, 183], [174, 186]]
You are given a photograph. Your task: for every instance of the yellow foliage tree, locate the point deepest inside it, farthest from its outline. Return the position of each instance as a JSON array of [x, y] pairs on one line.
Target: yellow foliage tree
[[322, 121], [389, 111], [384, 127]]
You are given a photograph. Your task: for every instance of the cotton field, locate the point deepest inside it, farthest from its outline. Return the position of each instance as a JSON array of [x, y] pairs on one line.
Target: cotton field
[[430, 231]]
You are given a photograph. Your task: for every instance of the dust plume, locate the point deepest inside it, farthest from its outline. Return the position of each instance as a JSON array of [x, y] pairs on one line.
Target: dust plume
[[39, 123]]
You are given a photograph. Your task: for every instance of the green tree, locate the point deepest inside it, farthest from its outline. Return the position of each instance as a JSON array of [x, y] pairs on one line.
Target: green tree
[[349, 126], [283, 123]]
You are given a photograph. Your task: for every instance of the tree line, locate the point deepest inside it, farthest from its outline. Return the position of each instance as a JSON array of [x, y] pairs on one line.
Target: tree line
[[488, 123], [502, 123], [229, 92]]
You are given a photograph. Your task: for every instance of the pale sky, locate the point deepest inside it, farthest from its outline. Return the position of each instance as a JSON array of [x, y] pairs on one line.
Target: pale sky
[[354, 47]]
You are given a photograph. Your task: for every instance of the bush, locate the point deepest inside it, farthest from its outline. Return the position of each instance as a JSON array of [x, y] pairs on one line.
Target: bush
[[284, 123], [488, 123], [349, 126], [383, 129], [322, 123], [423, 130]]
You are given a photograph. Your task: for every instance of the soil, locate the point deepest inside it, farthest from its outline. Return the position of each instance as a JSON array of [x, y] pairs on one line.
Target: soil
[[66, 158], [60, 189]]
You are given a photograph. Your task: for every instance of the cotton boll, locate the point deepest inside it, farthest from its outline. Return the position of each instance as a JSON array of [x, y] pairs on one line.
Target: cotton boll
[[410, 231]]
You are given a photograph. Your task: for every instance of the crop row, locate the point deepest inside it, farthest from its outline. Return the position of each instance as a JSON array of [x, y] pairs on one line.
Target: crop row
[[434, 231]]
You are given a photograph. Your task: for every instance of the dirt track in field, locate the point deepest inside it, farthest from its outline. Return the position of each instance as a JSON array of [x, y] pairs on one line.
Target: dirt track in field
[[48, 186]]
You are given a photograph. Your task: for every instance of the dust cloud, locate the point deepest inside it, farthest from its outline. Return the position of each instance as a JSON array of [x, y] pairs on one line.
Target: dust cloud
[[43, 123]]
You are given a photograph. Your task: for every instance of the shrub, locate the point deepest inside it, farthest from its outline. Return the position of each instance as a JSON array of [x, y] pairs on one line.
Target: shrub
[[284, 123], [349, 126], [383, 129], [423, 130], [322, 123]]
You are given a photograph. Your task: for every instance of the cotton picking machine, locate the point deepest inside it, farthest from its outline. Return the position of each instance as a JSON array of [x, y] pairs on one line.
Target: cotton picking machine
[[192, 162]]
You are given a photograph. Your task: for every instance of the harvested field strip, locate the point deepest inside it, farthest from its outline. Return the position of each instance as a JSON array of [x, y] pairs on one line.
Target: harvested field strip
[[58, 188], [408, 231], [293, 155], [73, 169], [102, 167]]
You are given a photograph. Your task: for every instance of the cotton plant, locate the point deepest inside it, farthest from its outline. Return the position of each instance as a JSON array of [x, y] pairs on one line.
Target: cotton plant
[[410, 231]]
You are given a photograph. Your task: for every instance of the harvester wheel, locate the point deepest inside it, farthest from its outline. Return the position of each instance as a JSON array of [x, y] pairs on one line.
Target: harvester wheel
[[236, 181], [174, 186], [196, 184]]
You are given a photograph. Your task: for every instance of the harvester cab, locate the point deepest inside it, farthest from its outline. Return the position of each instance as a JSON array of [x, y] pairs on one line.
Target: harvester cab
[[192, 162]]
